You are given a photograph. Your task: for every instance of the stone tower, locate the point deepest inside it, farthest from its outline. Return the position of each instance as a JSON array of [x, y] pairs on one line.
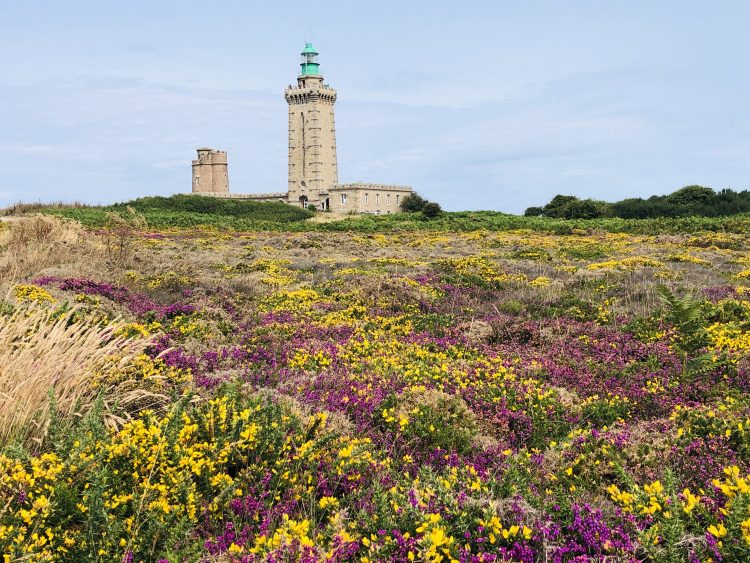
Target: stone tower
[[312, 135], [210, 172]]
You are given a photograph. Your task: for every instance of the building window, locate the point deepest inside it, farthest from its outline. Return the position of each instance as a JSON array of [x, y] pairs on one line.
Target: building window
[[366, 197], [377, 199], [397, 198], [388, 199], [343, 199]]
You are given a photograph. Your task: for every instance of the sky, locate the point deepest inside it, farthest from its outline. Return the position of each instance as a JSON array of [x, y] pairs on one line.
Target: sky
[[476, 104]]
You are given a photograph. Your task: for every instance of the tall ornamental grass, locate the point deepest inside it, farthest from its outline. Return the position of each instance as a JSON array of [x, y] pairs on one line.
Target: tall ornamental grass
[[54, 364]]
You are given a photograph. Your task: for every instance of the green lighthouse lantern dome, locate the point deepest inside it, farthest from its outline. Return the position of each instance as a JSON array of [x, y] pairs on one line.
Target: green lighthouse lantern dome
[[309, 61]]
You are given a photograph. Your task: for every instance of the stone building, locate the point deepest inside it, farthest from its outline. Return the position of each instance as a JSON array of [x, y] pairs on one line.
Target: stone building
[[210, 172], [313, 167], [312, 135]]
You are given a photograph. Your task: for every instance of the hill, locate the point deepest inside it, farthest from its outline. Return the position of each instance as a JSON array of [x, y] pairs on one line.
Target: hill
[[181, 210], [190, 211]]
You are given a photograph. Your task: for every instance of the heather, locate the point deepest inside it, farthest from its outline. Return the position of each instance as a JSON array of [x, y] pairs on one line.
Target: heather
[[425, 395]]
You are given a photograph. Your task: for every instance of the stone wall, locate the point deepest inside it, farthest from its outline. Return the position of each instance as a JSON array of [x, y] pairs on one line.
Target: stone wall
[[271, 196]]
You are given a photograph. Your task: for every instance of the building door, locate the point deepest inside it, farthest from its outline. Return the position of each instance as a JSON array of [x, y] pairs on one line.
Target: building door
[[303, 201]]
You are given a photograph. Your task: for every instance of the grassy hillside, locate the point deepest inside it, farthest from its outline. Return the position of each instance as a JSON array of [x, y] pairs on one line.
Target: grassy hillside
[[184, 210], [197, 211]]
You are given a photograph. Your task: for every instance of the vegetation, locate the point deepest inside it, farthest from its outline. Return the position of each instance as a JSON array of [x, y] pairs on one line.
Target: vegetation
[[182, 211], [460, 221], [187, 211], [414, 203], [395, 395], [66, 353], [690, 201]]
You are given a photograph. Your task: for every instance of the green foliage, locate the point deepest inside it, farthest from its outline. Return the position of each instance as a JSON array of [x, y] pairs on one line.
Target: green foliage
[[686, 315], [243, 209], [690, 201], [587, 252], [511, 307], [431, 210], [533, 212], [255, 216], [605, 412], [465, 221], [570, 207], [429, 419], [189, 211], [414, 203], [691, 195]]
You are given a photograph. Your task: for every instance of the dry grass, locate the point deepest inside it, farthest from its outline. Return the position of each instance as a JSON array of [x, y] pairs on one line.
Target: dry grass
[[65, 356], [28, 245], [21, 208]]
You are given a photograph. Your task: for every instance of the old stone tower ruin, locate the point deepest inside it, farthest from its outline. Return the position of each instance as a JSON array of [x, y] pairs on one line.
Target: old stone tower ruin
[[313, 168], [210, 172]]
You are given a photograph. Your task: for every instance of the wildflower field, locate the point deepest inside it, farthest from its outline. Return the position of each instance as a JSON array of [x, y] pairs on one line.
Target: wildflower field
[[207, 395]]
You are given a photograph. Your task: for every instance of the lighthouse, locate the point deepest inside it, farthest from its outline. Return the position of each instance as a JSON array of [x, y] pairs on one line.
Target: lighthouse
[[313, 168]]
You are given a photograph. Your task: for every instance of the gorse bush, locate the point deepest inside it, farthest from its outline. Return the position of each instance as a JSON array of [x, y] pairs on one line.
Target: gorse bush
[[427, 419]]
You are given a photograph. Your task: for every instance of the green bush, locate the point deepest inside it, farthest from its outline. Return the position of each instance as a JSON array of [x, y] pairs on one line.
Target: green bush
[[413, 203], [428, 419], [431, 210], [690, 201]]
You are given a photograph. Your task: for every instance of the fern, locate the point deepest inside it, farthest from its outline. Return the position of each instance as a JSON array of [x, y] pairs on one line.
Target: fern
[[688, 317]]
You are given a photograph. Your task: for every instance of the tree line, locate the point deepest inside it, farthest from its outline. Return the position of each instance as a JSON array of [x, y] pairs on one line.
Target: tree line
[[690, 201]]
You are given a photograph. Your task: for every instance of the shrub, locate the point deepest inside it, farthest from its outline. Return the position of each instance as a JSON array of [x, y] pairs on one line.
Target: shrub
[[570, 207], [431, 210], [533, 212], [428, 419], [413, 203], [690, 201]]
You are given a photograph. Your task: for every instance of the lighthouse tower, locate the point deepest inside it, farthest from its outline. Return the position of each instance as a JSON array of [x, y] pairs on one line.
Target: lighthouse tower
[[312, 135]]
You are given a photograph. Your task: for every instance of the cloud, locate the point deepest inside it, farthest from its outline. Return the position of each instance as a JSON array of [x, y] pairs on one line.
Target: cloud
[[110, 138], [596, 134]]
